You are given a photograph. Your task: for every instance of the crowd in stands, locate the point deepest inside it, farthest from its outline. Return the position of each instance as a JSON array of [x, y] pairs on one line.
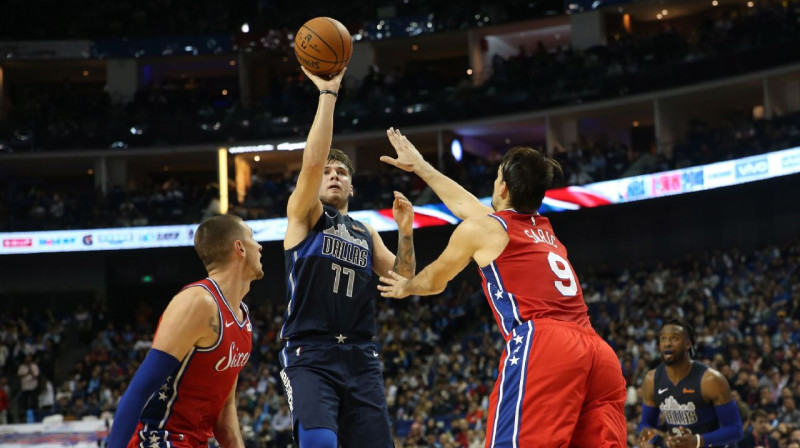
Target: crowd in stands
[[600, 159], [440, 354], [123, 19], [153, 18], [44, 206], [171, 112], [185, 200], [737, 40]]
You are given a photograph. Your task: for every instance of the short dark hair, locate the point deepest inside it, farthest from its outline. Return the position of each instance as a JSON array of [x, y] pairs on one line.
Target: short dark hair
[[214, 237], [756, 414], [527, 174], [337, 155], [687, 328]]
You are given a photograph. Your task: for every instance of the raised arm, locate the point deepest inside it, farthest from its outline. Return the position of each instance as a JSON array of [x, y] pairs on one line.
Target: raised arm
[[304, 206], [434, 278], [461, 202], [405, 262]]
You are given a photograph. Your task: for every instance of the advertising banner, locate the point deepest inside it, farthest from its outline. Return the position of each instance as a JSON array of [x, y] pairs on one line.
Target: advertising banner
[[79, 434], [638, 188]]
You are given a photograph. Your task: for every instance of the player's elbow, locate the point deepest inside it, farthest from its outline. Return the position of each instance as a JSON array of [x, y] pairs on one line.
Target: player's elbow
[[438, 288]]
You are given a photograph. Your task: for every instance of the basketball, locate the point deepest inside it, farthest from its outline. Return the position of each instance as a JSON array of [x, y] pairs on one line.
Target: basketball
[[323, 46]]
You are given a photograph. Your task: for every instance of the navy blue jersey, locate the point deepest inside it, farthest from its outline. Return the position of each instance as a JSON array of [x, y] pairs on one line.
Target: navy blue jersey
[[683, 404], [329, 281]]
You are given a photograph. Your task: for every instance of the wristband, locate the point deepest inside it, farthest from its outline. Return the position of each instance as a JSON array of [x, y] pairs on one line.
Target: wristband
[[698, 440], [330, 92]]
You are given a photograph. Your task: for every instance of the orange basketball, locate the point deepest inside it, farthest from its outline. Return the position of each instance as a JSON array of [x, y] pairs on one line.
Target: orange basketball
[[323, 46]]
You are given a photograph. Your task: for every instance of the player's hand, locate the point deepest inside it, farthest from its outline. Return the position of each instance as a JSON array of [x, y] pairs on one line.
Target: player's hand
[[394, 286], [408, 158], [403, 212], [325, 83], [647, 435], [688, 441], [682, 439]]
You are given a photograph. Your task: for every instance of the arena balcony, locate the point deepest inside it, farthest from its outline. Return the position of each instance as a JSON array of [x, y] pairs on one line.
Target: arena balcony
[[243, 87]]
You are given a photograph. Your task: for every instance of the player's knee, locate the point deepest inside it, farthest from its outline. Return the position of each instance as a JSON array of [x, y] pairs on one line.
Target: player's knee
[[316, 437]]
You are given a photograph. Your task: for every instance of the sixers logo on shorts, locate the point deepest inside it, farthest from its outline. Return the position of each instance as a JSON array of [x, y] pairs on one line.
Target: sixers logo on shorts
[[87, 240]]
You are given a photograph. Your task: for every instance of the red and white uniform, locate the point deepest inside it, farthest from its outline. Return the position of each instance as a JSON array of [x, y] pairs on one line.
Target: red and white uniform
[[559, 383], [183, 412]]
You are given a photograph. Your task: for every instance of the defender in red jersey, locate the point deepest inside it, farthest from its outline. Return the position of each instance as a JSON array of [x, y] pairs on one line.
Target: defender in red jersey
[[559, 383], [184, 392]]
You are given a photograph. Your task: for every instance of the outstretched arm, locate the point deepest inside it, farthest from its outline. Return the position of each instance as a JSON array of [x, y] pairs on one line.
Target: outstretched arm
[[434, 278], [461, 202], [405, 262], [304, 206]]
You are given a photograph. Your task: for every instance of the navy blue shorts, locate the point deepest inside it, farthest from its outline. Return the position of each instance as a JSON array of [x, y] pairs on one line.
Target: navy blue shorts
[[339, 387]]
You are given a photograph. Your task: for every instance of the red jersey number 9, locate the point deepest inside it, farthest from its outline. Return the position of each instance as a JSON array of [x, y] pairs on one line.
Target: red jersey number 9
[[561, 268]]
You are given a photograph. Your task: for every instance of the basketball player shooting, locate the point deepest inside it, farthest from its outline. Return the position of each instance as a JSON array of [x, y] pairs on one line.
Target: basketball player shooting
[[331, 368], [695, 399], [184, 393], [559, 383]]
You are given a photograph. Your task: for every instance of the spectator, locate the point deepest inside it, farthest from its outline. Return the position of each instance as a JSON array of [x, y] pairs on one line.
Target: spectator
[[28, 374], [282, 424], [760, 435], [788, 413], [642, 162], [47, 398], [4, 400]]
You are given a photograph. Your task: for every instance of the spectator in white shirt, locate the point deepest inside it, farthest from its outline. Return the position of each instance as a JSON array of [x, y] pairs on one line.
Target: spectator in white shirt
[[28, 374]]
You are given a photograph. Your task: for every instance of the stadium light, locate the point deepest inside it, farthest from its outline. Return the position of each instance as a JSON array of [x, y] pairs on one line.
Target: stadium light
[[222, 171], [456, 149]]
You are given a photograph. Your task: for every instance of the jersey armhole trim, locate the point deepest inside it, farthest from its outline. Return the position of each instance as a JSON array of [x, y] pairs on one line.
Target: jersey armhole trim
[[500, 220], [309, 235], [221, 321]]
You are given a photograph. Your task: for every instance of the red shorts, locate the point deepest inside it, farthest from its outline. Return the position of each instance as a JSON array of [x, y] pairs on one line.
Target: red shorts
[[559, 385], [161, 438]]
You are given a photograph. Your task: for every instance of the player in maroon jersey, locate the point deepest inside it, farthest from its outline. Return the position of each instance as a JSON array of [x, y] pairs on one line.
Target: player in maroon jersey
[[559, 383], [184, 392]]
